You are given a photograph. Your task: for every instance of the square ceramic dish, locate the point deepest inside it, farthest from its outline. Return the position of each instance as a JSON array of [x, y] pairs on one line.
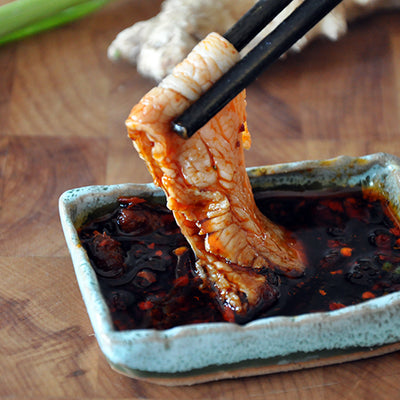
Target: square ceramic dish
[[210, 351]]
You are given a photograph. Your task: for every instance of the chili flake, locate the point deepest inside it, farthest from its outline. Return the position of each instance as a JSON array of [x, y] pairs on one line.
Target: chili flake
[[346, 251], [336, 306], [368, 295]]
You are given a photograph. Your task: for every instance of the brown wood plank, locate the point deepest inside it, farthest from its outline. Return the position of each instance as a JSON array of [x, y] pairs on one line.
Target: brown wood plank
[[62, 112], [36, 171]]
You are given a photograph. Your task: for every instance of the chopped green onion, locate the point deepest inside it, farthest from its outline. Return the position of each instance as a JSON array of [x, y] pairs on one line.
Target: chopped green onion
[[22, 18], [387, 266]]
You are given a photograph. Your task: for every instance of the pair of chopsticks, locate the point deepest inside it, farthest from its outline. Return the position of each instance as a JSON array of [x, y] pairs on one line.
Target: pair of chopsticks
[[293, 28]]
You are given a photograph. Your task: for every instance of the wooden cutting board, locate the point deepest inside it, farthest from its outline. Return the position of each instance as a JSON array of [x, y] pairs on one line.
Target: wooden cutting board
[[62, 112]]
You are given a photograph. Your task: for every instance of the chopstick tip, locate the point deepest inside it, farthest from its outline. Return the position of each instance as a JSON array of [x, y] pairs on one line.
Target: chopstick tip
[[180, 130]]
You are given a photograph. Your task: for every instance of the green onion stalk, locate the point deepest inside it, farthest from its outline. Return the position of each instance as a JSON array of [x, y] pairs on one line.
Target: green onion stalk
[[22, 18]]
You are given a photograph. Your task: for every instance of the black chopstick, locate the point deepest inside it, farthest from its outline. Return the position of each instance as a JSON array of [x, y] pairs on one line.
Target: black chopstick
[[294, 27], [259, 16]]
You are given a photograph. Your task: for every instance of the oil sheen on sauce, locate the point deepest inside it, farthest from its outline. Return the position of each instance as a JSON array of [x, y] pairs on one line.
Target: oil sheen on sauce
[[145, 266]]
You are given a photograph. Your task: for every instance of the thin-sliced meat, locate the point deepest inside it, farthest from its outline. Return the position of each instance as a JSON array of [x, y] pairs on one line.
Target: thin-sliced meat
[[238, 249]]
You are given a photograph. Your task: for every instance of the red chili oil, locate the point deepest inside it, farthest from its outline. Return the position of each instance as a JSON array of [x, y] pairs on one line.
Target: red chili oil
[[145, 266]]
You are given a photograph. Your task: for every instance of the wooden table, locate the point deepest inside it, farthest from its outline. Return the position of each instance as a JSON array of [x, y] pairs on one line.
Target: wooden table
[[62, 112]]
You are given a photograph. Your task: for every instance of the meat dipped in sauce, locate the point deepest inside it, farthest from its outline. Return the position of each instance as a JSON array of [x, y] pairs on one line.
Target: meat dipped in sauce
[[146, 268], [238, 250]]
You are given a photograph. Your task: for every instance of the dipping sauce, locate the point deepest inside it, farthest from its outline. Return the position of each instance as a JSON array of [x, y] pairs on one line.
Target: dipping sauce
[[145, 266]]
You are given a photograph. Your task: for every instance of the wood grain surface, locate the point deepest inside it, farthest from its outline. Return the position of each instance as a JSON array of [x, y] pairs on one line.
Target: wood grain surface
[[62, 112]]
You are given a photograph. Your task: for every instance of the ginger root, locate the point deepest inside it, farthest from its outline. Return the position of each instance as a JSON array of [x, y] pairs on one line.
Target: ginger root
[[156, 45]]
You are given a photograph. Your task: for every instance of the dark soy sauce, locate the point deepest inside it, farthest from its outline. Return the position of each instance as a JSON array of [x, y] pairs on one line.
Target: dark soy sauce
[[145, 266]]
